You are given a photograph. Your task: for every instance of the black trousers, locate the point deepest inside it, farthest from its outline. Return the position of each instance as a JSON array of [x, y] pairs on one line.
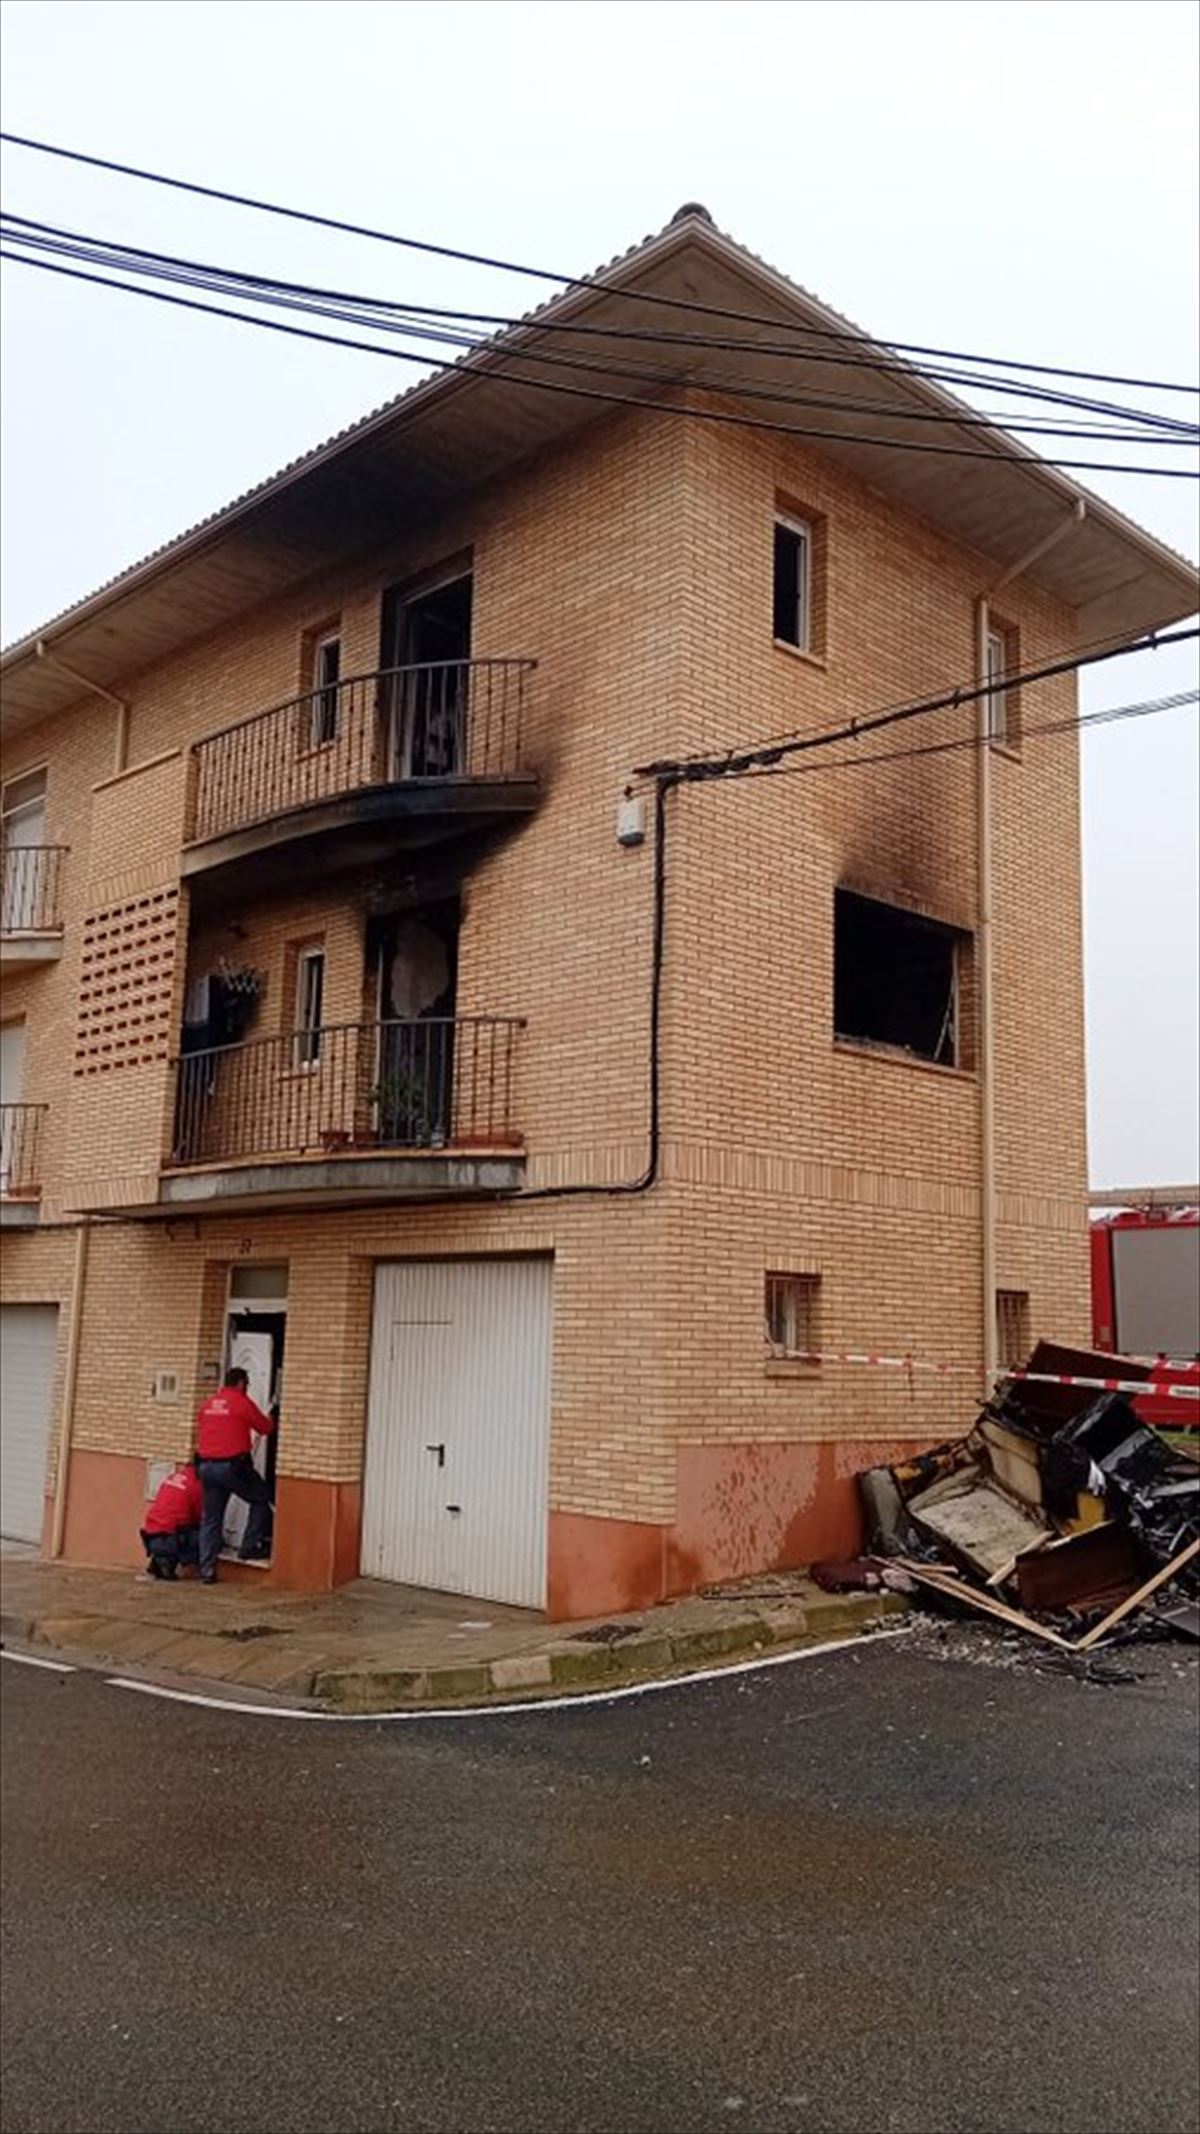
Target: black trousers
[[167, 1551], [221, 1480]]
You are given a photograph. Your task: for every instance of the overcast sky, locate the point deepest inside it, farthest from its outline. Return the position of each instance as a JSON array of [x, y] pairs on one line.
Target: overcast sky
[[1010, 177]]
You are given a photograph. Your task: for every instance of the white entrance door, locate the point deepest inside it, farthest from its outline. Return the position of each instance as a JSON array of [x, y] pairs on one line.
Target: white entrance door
[[455, 1485], [28, 1335], [251, 1353]]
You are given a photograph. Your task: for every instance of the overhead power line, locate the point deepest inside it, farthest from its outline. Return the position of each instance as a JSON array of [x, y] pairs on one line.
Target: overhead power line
[[348, 307], [423, 317], [488, 368], [590, 282], [735, 761], [1114, 716]]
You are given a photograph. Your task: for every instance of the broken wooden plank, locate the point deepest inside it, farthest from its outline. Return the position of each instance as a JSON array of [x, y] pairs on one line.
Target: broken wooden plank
[[986, 1603], [1136, 1600], [1094, 1569]]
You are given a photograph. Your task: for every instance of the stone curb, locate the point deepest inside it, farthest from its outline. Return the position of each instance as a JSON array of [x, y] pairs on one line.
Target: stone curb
[[576, 1665], [566, 1664]]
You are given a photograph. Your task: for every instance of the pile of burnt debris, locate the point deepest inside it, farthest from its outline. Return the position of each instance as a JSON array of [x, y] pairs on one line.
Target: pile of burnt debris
[[1061, 1513]]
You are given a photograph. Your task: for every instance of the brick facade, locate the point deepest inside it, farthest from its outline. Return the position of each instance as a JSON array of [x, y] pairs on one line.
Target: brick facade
[[635, 566]]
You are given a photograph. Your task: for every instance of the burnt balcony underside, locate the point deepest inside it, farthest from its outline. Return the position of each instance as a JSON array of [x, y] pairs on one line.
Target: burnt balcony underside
[[352, 773]]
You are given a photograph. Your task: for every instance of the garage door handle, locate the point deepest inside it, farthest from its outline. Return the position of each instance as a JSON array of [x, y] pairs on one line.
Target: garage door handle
[[454, 1507], [440, 1451]]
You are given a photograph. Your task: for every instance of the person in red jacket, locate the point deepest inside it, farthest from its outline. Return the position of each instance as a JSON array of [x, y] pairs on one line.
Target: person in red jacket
[[225, 1427], [171, 1535]]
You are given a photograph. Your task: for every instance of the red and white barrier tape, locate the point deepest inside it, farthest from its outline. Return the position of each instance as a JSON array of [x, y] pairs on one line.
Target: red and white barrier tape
[[1164, 1363], [1036, 1378], [1143, 1386], [887, 1363]]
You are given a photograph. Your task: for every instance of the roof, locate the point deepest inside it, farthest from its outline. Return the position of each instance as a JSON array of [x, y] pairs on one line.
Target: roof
[[465, 425]]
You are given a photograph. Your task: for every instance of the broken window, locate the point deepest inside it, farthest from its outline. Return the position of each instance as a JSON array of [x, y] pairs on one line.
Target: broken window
[[1012, 1327], [898, 980], [790, 1314], [793, 583]]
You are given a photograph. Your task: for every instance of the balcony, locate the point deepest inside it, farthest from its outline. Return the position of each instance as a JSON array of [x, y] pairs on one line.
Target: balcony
[[20, 1164], [31, 929], [348, 1112], [346, 774]]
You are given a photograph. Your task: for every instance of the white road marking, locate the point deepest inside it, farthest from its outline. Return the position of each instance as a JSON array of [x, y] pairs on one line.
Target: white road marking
[[29, 1659], [533, 1707]]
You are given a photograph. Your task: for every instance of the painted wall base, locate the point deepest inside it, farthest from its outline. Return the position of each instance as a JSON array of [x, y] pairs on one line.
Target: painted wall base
[[739, 1509]]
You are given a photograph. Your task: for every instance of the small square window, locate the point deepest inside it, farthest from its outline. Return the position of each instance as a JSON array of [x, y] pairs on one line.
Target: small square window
[[793, 583], [790, 1314], [310, 999], [326, 674], [1013, 1342]]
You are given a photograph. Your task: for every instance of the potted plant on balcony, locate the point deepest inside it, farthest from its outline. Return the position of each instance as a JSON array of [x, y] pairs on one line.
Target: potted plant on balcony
[[406, 1110]]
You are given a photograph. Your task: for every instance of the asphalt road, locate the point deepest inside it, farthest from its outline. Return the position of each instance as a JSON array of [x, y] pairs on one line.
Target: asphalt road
[[874, 1892]]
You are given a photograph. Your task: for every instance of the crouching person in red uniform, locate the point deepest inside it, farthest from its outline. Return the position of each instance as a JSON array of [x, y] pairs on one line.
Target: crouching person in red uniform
[[224, 1428], [171, 1535]]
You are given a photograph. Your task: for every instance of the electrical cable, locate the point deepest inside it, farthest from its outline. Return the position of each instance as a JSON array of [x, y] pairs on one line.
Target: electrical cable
[[1080, 724], [647, 1177], [732, 762], [592, 282], [491, 371], [416, 318]]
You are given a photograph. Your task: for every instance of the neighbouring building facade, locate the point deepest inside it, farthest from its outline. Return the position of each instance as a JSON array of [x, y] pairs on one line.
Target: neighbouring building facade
[[527, 1125]]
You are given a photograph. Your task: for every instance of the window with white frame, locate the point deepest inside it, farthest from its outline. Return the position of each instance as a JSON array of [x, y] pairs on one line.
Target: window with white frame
[[1001, 663], [793, 583], [790, 1314], [310, 1000], [326, 673]]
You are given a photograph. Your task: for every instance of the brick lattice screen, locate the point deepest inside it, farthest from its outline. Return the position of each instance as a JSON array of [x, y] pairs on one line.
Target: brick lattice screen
[[126, 983]]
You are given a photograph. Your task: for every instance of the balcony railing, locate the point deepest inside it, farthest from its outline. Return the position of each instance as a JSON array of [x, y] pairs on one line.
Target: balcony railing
[[20, 1150], [451, 719], [31, 889], [440, 1084]]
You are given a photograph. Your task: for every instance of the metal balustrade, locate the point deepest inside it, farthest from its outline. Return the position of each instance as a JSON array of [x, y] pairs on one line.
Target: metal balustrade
[[20, 1149], [442, 1083], [31, 889], [458, 719]]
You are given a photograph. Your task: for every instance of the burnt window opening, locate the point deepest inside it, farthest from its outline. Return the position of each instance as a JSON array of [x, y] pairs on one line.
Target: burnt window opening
[[793, 584], [898, 980]]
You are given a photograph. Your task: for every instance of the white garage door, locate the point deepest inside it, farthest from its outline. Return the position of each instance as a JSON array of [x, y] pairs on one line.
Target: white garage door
[[28, 1333], [455, 1484]]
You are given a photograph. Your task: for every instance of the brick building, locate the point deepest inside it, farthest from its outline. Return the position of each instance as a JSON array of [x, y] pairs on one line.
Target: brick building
[[523, 1123]]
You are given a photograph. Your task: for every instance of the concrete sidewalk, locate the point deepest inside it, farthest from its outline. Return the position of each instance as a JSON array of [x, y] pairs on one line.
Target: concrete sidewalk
[[371, 1646]]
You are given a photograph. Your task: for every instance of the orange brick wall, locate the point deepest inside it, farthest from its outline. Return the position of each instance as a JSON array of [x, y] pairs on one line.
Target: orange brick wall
[[635, 568]]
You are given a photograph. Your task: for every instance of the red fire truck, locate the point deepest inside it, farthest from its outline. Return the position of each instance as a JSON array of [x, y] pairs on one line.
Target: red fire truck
[[1146, 1290]]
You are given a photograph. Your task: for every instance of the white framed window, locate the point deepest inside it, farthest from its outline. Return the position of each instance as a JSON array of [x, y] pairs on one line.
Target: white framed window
[[790, 1315], [996, 679], [793, 583], [310, 1001], [326, 671]]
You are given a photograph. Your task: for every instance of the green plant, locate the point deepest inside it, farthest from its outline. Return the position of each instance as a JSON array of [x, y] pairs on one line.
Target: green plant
[[404, 1107]]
